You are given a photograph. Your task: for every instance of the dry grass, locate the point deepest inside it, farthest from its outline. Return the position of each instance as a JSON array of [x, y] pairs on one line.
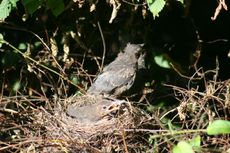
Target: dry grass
[[43, 130]]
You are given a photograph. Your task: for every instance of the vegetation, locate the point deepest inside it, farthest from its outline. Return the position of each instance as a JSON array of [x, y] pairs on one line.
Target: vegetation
[[51, 50]]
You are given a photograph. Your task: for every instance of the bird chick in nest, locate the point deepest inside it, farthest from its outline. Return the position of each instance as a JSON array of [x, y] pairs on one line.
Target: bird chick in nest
[[119, 76], [93, 112]]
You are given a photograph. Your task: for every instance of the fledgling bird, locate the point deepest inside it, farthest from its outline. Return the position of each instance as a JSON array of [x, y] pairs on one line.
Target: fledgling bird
[[94, 108], [119, 76]]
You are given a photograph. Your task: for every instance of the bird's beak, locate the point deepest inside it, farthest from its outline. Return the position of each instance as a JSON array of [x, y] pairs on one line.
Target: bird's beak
[[114, 106], [142, 45]]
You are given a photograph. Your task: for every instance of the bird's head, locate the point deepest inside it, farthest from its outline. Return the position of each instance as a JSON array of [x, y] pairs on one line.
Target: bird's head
[[134, 49], [109, 106]]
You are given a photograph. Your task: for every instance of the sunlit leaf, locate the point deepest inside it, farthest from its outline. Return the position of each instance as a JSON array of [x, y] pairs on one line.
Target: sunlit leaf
[[16, 86], [156, 6], [182, 1], [218, 127], [162, 61], [1, 40], [13, 3], [22, 46], [75, 80], [195, 142], [147, 84], [183, 147], [6, 7], [37, 44]]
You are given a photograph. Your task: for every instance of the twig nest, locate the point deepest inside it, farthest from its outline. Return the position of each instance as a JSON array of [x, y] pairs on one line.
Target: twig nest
[[84, 117]]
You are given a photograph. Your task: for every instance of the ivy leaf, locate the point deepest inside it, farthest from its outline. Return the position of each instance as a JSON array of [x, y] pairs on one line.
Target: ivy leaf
[[183, 147], [182, 1], [16, 86], [6, 7], [1, 40], [219, 127], [195, 142], [13, 3], [162, 61], [31, 5], [156, 6], [56, 6]]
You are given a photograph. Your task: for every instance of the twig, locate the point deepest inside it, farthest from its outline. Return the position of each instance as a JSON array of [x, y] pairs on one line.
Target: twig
[[22, 29], [221, 5], [161, 133], [104, 46], [170, 111], [39, 38], [145, 130], [180, 74], [123, 139], [19, 144], [116, 7], [43, 66], [133, 4]]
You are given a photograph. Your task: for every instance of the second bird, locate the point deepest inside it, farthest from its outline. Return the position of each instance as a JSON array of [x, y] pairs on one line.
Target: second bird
[[119, 76]]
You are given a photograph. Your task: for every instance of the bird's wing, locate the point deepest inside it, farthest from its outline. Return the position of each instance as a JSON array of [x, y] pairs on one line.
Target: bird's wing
[[108, 81]]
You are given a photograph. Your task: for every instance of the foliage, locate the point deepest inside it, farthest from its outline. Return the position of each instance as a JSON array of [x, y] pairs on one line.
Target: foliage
[[6, 7], [183, 146], [31, 5], [156, 6], [1, 40], [162, 61], [215, 128], [56, 6], [219, 127]]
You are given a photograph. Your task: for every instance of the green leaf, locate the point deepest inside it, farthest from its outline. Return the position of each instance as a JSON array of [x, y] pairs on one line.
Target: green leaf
[[22, 46], [183, 147], [14, 3], [150, 108], [37, 44], [162, 61], [156, 6], [16, 86], [56, 6], [219, 127], [74, 79], [31, 5], [182, 1], [1, 40], [6, 7], [195, 142]]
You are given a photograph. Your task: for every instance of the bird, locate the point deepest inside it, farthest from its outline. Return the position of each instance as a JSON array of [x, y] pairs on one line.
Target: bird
[[92, 109], [118, 77]]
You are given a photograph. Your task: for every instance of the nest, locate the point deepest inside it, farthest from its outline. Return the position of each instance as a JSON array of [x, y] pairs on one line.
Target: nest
[[66, 131]]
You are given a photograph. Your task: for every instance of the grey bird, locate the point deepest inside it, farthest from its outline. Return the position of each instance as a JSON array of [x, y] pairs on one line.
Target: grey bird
[[92, 112], [119, 76]]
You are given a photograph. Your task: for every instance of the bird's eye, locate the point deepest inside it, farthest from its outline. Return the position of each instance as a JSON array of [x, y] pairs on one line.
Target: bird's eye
[[137, 54]]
